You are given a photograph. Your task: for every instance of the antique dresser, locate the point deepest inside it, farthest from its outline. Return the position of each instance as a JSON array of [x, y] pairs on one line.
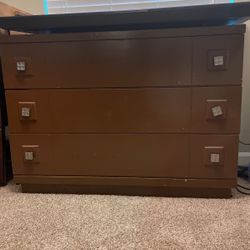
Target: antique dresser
[[145, 112]]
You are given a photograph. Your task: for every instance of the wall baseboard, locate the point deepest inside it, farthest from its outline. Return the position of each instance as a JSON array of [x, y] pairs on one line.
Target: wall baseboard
[[244, 159]]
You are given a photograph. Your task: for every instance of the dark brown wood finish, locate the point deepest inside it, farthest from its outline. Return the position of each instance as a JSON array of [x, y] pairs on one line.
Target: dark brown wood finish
[[125, 155], [103, 155], [162, 110], [123, 62], [227, 146], [125, 181], [5, 168], [131, 34], [205, 188], [205, 48], [102, 111], [131, 110], [106, 63], [127, 190], [203, 123]]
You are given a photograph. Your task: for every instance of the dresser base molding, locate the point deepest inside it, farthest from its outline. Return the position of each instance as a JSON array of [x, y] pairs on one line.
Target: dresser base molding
[[203, 188]]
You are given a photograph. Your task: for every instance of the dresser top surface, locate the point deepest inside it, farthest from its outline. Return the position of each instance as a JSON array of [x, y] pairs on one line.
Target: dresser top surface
[[120, 35]]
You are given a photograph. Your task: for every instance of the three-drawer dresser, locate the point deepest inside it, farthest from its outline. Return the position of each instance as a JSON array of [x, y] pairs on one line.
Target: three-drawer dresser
[[142, 112]]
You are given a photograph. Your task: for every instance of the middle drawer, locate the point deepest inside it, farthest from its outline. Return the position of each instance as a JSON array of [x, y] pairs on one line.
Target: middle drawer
[[133, 110], [99, 110]]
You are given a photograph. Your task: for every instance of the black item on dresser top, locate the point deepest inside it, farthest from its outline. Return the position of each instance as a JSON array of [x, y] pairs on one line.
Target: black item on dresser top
[[204, 15]]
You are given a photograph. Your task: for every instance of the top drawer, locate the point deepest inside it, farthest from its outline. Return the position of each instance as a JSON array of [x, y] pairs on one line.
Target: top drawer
[[98, 63], [124, 62]]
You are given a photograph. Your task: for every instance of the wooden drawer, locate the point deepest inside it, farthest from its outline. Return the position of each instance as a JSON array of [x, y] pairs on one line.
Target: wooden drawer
[[216, 109], [213, 156], [227, 51], [101, 155], [165, 155], [133, 110], [98, 63], [160, 110]]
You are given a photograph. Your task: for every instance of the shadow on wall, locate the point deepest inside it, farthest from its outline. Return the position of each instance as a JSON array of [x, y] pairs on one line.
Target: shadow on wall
[[245, 117]]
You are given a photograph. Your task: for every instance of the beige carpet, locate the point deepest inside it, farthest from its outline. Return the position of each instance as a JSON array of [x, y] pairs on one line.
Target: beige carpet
[[38, 221]]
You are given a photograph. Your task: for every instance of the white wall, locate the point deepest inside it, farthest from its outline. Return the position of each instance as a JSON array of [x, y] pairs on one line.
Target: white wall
[[34, 7], [245, 117]]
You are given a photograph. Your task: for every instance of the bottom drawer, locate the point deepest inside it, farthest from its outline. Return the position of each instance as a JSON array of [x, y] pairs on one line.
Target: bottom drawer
[[100, 155], [126, 155]]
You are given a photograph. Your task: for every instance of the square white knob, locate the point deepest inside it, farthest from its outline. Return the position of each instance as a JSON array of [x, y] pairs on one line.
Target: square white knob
[[218, 61], [29, 156], [21, 66], [217, 111], [214, 158], [25, 112]]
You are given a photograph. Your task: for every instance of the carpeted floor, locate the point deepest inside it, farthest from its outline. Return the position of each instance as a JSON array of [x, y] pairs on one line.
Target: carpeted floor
[[38, 221]]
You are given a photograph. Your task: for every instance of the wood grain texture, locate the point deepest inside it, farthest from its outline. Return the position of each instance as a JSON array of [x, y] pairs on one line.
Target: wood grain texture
[[231, 123], [126, 111], [150, 110], [125, 181], [106, 63], [130, 110], [131, 34], [231, 47], [131, 155], [198, 167], [103, 155], [145, 62]]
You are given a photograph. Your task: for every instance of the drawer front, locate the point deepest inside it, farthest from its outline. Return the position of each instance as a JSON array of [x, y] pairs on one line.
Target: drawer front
[[104, 63], [100, 155], [218, 60], [216, 109], [213, 156], [100, 111]]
